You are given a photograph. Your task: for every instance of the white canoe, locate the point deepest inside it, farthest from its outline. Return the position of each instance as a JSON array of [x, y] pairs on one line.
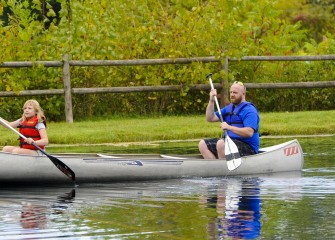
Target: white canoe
[[98, 168]]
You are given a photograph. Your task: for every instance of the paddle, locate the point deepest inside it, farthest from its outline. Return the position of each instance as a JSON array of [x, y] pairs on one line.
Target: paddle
[[232, 155], [58, 163]]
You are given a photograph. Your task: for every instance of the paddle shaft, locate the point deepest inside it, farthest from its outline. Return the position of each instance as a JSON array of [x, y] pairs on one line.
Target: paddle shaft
[[209, 76], [58, 163], [215, 98]]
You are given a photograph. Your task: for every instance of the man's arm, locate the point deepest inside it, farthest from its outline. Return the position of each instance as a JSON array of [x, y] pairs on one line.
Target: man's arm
[[210, 113], [251, 125], [245, 132]]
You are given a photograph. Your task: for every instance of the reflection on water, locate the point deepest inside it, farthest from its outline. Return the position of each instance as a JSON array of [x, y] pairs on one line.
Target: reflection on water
[[296, 205], [35, 216], [268, 207], [237, 203]]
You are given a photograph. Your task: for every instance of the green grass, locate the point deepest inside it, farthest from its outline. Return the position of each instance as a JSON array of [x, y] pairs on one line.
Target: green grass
[[298, 123], [146, 129]]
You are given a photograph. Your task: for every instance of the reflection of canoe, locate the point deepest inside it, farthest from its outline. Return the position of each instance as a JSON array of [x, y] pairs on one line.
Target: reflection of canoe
[[92, 168]]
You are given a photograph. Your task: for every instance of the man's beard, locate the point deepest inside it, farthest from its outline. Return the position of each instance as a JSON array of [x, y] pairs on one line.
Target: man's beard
[[236, 101]]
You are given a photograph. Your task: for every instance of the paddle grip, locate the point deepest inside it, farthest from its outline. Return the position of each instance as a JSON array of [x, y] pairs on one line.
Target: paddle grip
[[209, 76]]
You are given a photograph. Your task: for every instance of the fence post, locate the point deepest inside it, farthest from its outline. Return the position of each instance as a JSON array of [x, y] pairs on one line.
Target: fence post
[[67, 89], [225, 84]]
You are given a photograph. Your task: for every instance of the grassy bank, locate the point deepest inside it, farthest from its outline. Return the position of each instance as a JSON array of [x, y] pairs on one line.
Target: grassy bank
[[144, 129]]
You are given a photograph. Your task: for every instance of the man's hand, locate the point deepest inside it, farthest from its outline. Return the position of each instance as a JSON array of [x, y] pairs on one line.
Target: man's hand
[[224, 126]]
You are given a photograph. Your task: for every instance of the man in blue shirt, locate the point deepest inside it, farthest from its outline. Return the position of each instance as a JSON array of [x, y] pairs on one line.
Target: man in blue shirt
[[240, 121]]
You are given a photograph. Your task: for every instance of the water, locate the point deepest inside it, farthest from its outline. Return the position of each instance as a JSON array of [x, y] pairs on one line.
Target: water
[[296, 205]]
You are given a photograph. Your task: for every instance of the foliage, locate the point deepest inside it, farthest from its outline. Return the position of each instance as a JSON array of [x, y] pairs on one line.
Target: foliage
[[148, 29], [317, 16]]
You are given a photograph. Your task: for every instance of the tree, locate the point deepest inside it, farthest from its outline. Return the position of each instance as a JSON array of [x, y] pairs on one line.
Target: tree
[[151, 29]]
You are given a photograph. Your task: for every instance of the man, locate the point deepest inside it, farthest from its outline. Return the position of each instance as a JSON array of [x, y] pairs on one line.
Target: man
[[240, 121]]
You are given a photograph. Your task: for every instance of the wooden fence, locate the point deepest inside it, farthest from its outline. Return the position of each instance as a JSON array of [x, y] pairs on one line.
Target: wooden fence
[[67, 91]]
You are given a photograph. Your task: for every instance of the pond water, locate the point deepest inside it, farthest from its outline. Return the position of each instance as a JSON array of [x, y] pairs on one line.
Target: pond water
[[295, 205]]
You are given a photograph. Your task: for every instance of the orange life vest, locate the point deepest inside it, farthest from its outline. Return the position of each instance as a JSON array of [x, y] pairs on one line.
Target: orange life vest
[[28, 129]]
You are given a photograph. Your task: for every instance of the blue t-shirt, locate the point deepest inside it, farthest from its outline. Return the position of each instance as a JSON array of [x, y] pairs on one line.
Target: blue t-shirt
[[250, 118]]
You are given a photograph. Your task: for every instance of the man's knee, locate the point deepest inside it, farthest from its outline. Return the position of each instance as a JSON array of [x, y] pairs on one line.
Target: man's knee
[[220, 148], [202, 144], [220, 143]]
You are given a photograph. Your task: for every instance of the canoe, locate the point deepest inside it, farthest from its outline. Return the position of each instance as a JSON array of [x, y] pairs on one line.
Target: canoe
[[99, 168]]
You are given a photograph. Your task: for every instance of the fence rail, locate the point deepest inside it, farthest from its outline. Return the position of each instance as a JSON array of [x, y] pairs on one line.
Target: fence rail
[[67, 91]]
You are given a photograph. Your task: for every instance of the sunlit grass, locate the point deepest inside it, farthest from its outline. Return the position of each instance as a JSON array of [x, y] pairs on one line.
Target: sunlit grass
[[133, 130], [145, 129], [298, 123]]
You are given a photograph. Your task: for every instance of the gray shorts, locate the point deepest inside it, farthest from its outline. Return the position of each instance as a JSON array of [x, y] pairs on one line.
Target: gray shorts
[[243, 148]]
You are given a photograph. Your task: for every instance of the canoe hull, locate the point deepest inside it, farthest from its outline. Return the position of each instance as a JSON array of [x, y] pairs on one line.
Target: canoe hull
[[97, 169]]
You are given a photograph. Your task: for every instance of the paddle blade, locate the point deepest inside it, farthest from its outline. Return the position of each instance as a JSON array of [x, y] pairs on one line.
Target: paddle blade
[[62, 167], [232, 155], [58, 163]]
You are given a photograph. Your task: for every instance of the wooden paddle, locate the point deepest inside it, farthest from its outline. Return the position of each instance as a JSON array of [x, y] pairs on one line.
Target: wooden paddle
[[232, 154], [58, 163]]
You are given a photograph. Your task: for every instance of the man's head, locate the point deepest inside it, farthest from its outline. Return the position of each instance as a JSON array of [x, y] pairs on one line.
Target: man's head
[[237, 93]]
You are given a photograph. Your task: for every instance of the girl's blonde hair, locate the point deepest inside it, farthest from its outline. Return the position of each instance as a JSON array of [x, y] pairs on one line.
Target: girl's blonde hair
[[37, 108]]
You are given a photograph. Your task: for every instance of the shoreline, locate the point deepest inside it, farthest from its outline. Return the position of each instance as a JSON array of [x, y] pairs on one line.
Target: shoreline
[[176, 141]]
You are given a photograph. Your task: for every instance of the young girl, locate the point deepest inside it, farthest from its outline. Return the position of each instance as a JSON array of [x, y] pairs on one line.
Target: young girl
[[33, 126]]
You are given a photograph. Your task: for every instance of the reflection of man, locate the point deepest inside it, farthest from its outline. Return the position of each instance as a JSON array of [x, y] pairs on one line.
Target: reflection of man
[[215, 226], [244, 221], [238, 210]]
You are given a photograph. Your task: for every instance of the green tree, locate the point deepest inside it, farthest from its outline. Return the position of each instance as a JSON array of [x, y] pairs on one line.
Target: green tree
[[155, 29]]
